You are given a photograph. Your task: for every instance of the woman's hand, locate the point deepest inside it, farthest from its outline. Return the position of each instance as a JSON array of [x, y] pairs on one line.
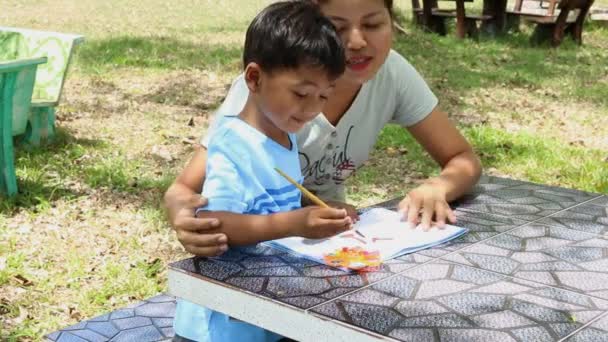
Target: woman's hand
[[318, 223], [351, 211], [193, 233], [425, 202]]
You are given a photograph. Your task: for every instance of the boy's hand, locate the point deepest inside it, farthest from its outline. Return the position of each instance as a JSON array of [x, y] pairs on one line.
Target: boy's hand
[[319, 223], [351, 211], [423, 203], [193, 233]]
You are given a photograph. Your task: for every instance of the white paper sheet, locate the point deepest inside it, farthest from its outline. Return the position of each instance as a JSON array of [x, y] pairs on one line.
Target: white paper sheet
[[382, 231]]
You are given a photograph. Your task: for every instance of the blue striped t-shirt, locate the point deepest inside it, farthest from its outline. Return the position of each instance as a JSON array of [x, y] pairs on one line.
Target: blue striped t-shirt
[[241, 179], [240, 171]]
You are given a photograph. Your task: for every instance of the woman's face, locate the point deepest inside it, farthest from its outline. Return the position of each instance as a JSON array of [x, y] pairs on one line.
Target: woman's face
[[365, 27]]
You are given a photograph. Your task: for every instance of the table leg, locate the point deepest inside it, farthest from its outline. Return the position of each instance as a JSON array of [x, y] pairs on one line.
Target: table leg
[[460, 18], [433, 24], [497, 9]]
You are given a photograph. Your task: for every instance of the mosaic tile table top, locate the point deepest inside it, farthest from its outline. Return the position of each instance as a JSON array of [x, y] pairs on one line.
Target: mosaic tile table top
[[533, 267], [148, 320]]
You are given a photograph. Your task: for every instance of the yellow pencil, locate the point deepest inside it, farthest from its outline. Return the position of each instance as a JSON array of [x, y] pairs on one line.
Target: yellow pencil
[[316, 200]]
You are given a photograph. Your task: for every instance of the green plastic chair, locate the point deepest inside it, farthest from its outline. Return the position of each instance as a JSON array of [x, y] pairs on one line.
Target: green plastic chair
[[18, 43], [16, 87]]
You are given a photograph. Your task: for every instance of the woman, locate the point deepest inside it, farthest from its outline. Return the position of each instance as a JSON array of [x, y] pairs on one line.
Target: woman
[[379, 86]]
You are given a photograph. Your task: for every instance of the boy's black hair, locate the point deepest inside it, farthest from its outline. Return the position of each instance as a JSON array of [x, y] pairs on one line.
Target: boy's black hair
[[288, 34]]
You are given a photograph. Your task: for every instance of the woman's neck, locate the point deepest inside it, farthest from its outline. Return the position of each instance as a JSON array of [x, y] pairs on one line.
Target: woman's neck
[[340, 100], [253, 115]]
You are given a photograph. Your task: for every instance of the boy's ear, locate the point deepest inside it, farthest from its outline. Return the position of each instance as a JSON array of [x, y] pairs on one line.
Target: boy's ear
[[253, 74]]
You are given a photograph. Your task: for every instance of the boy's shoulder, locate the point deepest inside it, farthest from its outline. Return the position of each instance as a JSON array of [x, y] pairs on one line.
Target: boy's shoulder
[[231, 135]]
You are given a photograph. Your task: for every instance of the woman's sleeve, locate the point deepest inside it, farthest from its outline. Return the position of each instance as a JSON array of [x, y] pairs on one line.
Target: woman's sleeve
[[233, 104], [415, 100]]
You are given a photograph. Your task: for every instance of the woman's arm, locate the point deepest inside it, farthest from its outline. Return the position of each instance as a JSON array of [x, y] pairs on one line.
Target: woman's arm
[[460, 170], [181, 200]]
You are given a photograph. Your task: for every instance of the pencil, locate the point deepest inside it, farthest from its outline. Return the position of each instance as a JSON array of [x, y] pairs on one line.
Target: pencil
[[360, 234], [316, 200]]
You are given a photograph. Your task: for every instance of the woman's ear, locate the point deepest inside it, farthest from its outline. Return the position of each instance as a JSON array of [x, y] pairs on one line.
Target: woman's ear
[[253, 74]]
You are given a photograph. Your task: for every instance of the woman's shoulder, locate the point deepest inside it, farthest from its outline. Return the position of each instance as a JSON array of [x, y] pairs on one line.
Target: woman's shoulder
[[396, 67]]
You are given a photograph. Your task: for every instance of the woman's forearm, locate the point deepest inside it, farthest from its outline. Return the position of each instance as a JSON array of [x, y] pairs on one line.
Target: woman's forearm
[[174, 199], [458, 175]]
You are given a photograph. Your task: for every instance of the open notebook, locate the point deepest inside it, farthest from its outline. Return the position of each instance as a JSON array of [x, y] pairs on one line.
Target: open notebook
[[382, 232]]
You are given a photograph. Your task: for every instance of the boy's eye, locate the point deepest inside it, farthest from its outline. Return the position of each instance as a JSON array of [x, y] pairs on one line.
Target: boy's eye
[[300, 95], [323, 97], [340, 29]]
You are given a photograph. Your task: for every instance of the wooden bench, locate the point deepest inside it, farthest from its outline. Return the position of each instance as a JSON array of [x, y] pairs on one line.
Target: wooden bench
[[553, 18], [434, 18], [599, 15]]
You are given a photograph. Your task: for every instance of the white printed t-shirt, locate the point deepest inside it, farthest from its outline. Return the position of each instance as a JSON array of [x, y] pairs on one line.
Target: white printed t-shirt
[[329, 154]]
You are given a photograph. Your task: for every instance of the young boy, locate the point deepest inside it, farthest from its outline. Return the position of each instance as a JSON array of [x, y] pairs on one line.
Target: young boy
[[292, 56]]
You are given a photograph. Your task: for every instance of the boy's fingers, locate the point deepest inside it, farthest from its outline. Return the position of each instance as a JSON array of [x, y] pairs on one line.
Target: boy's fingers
[[332, 227], [354, 214], [331, 213]]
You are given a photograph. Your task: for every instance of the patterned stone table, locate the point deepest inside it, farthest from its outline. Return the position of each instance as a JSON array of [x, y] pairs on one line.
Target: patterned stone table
[[534, 267], [148, 320]]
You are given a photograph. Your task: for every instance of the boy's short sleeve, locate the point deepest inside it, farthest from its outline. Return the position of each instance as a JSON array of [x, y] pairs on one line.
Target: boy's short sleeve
[[415, 100], [223, 188], [232, 105]]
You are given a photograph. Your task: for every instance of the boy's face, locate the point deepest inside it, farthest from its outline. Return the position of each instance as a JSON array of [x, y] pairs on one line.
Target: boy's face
[[292, 97]]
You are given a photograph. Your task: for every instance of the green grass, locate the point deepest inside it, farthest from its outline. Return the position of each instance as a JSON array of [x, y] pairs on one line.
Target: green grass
[[521, 155], [540, 159], [164, 53]]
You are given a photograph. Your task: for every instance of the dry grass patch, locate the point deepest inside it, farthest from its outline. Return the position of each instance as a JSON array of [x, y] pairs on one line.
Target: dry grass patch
[[540, 112]]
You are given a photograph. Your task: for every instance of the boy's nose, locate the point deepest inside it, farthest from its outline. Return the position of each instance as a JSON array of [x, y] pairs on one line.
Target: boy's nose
[[355, 39]]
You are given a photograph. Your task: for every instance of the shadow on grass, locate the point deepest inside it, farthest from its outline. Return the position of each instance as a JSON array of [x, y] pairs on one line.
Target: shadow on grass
[[71, 167], [35, 187], [155, 52]]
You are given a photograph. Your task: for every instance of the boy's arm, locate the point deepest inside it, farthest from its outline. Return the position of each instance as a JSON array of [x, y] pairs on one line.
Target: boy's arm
[[226, 187], [309, 222], [243, 229]]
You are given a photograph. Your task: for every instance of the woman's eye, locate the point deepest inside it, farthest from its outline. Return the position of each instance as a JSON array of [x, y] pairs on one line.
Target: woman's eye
[[372, 26], [323, 97], [300, 95]]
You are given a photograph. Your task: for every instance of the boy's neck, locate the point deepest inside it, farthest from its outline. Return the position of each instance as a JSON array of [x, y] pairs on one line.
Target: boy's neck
[[252, 115]]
